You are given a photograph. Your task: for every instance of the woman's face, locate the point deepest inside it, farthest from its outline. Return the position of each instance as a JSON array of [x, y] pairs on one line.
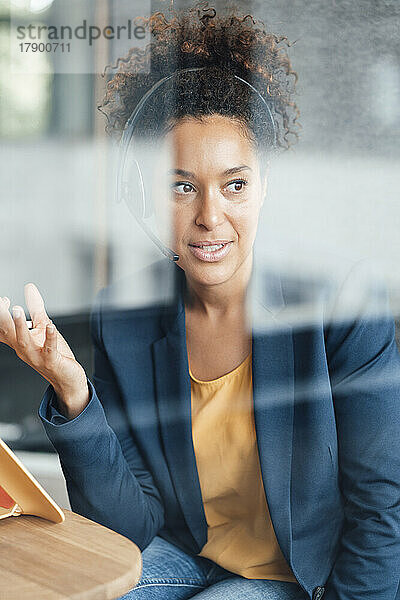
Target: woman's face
[[215, 195]]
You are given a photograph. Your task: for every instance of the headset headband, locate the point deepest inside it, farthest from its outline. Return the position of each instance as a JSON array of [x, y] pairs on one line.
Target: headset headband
[[128, 129]]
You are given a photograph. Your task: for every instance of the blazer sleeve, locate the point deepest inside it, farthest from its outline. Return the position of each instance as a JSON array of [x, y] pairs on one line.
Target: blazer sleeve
[[106, 477], [364, 366]]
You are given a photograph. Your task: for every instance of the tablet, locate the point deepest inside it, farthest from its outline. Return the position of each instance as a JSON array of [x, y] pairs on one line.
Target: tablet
[[20, 493]]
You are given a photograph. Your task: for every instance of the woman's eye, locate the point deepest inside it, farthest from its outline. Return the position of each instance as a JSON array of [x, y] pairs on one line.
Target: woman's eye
[[238, 185], [182, 188]]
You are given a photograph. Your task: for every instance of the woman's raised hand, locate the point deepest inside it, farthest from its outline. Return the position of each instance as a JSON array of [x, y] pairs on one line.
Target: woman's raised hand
[[45, 350]]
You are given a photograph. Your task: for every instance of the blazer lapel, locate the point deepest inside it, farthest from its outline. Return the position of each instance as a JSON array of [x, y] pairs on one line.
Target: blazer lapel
[[273, 417], [174, 406], [273, 397]]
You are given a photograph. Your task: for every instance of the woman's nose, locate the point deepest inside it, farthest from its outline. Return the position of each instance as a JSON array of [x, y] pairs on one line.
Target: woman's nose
[[210, 211]]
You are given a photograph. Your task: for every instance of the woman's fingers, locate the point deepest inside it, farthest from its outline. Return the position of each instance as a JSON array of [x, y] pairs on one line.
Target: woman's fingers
[[44, 348], [50, 343], [21, 329], [35, 304], [42, 358], [7, 329]]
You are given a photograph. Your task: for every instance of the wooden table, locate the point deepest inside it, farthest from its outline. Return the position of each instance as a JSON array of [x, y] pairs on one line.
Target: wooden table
[[77, 559]]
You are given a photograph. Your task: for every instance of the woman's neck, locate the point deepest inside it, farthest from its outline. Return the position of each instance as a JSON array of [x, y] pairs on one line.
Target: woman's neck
[[221, 299]]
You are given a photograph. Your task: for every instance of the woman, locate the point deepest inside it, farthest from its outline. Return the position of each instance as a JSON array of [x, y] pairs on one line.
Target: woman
[[244, 462]]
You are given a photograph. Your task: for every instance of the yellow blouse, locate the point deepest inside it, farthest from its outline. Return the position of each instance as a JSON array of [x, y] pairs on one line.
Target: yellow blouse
[[241, 536]]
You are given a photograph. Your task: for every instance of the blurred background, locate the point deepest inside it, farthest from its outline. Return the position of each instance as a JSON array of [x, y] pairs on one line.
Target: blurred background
[[334, 197]]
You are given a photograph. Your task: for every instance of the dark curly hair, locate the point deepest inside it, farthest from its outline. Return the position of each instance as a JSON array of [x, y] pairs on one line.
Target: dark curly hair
[[227, 45]]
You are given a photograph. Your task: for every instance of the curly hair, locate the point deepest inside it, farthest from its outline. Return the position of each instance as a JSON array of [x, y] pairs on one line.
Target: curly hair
[[227, 45]]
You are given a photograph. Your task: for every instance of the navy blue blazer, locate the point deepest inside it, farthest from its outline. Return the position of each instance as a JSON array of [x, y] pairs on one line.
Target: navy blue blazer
[[326, 393]]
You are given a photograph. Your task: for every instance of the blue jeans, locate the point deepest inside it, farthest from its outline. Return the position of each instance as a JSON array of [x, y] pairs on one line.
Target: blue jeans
[[171, 574]]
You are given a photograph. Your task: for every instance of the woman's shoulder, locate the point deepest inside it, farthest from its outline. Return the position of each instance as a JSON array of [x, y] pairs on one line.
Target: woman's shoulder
[[142, 296], [301, 297]]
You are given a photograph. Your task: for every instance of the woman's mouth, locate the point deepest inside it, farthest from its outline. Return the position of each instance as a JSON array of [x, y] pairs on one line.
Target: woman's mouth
[[211, 252]]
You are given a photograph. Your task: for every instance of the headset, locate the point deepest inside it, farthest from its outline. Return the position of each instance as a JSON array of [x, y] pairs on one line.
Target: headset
[[136, 198]]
